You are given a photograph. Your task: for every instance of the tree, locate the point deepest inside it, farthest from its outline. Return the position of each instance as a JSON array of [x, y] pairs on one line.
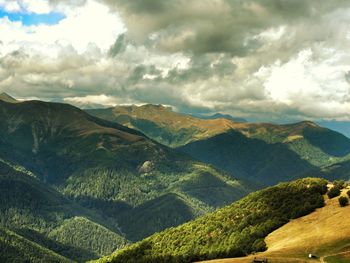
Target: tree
[[348, 193], [333, 192], [343, 201], [339, 184]]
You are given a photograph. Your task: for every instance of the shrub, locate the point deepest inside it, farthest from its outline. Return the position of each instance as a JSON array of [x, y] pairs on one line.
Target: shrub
[[343, 201], [339, 184], [333, 192], [348, 193]]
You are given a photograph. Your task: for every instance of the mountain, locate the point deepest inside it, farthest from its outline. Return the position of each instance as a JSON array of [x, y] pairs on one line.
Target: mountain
[[236, 230], [313, 234], [163, 125], [7, 98], [219, 116], [260, 152], [339, 126], [34, 219], [112, 170]]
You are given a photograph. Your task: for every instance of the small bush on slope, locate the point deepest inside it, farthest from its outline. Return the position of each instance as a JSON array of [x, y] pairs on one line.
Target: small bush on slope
[[343, 201], [333, 192], [235, 230]]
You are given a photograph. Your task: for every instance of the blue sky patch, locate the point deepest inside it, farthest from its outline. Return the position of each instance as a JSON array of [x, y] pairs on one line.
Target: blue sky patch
[[29, 19]]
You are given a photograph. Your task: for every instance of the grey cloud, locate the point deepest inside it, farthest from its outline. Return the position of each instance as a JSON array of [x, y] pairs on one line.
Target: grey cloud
[[226, 43], [202, 26]]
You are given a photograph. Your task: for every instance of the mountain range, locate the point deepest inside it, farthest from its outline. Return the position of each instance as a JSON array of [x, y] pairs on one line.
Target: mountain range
[[77, 185], [250, 151], [132, 184]]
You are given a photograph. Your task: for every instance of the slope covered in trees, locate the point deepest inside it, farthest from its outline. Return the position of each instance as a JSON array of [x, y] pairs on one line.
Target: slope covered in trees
[[236, 230], [17, 249], [42, 216], [108, 168]]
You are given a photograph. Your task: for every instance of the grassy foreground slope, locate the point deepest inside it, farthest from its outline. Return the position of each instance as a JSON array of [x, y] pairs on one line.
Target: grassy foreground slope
[[325, 233], [233, 231]]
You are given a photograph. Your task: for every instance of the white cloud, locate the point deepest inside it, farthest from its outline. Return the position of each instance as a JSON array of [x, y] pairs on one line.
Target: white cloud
[[10, 6], [35, 6], [101, 100], [26, 6], [92, 23], [296, 67]]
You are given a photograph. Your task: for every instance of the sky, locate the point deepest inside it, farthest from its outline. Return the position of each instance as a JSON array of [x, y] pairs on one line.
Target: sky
[[265, 60]]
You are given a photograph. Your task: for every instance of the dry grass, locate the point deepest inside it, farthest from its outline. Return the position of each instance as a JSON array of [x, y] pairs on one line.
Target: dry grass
[[325, 233]]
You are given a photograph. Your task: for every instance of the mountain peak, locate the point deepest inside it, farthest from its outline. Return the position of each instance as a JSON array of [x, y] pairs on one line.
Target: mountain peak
[[7, 98], [308, 124]]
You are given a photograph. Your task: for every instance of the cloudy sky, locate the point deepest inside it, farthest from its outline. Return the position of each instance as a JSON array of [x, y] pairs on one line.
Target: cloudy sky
[[259, 59]]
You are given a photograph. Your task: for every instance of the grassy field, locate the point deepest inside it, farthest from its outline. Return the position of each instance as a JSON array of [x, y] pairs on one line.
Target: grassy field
[[324, 233]]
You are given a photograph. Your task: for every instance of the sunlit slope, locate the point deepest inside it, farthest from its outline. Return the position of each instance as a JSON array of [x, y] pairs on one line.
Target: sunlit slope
[[232, 231], [324, 233]]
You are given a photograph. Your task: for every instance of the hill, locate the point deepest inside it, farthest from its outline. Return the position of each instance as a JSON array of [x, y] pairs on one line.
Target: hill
[[109, 168], [15, 248], [235, 230], [39, 215], [254, 151], [323, 233]]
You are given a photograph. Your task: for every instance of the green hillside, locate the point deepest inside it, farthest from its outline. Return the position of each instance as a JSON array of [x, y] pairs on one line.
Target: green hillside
[[110, 169], [236, 230], [43, 216], [16, 249], [83, 233], [249, 158]]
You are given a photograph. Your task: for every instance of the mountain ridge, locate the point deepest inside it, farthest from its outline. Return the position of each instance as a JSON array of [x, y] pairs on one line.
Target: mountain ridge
[[108, 168]]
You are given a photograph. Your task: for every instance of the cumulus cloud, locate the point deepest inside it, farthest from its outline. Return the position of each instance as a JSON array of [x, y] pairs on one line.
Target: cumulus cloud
[[271, 59]]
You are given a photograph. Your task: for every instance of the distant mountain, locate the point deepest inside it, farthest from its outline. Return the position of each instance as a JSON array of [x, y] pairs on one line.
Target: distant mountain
[[219, 116], [163, 125], [7, 98], [272, 153], [261, 152], [233, 231], [339, 126], [336, 171], [115, 171]]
